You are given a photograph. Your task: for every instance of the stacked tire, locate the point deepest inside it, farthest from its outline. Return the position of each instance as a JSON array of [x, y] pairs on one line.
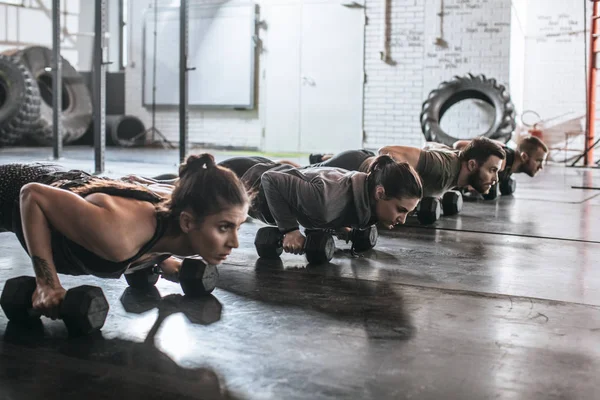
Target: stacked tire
[[26, 109], [19, 101]]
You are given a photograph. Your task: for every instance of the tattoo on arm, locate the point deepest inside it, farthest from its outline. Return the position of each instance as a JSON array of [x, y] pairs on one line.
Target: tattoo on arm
[[42, 270]]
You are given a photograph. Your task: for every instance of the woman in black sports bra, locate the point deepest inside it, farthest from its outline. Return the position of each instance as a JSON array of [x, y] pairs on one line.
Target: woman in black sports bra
[[74, 223]]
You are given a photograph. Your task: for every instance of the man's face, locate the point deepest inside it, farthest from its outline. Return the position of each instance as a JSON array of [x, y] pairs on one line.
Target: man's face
[[482, 177], [533, 163]]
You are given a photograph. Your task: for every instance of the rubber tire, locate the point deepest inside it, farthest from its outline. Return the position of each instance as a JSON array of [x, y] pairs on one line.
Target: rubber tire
[[21, 107], [468, 87], [76, 119], [121, 129]]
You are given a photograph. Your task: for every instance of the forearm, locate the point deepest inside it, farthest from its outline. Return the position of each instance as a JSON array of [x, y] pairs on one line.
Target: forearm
[[160, 188], [278, 199], [140, 179], [36, 231]]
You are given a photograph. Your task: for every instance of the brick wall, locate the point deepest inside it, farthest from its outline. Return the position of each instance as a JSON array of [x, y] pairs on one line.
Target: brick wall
[[476, 39]]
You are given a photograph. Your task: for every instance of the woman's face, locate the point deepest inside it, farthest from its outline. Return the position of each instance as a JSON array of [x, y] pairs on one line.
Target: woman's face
[[393, 211], [217, 234]]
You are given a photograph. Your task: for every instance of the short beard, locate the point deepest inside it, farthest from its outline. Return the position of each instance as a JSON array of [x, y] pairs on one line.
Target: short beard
[[476, 182]]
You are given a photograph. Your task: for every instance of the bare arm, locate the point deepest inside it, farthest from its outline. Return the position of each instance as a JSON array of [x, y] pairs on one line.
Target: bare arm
[[99, 222], [94, 223], [402, 153]]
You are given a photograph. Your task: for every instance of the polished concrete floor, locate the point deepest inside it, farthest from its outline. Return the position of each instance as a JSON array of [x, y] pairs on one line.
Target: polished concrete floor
[[499, 302]]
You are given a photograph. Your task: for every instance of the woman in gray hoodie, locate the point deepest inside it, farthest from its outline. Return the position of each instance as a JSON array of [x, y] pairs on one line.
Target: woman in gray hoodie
[[328, 198]]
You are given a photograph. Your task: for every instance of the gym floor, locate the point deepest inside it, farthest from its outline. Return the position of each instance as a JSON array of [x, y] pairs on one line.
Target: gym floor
[[501, 301]]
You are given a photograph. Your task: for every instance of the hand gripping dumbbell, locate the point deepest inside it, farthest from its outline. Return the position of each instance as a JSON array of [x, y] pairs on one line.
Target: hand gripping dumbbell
[[318, 247], [362, 239], [196, 277], [83, 309]]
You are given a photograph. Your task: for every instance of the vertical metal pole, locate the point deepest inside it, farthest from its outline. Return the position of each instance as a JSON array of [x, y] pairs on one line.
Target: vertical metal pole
[[588, 158], [56, 81], [99, 83], [121, 30], [183, 80]]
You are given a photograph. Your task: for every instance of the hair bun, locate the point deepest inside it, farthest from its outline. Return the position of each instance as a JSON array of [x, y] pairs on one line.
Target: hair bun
[[196, 162], [381, 161]]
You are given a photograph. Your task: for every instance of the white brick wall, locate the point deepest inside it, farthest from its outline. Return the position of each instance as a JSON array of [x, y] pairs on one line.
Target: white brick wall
[[210, 127], [477, 33]]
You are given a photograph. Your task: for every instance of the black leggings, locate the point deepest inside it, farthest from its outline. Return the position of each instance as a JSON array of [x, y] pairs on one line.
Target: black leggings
[[350, 160], [12, 178], [240, 165]]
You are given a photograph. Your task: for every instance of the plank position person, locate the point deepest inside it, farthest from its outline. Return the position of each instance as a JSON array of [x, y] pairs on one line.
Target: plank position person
[[74, 223], [329, 198], [528, 158], [476, 165]]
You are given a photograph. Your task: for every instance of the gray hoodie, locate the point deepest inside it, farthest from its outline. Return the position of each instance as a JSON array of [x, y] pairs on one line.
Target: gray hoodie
[[317, 198]]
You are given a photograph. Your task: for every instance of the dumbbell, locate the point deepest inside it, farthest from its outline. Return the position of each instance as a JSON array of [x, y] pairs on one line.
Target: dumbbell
[[318, 247], [492, 194], [196, 277], [83, 309], [429, 210], [508, 186], [452, 202], [362, 239]]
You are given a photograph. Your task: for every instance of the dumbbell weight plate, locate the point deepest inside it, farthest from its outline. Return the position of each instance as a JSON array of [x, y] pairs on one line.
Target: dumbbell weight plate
[[452, 202], [142, 279], [268, 242], [84, 310], [16, 300], [430, 210], [197, 278], [365, 239], [319, 247]]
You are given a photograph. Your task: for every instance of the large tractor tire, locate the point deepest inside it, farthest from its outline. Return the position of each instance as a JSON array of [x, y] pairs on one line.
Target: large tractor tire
[[76, 114], [19, 100], [468, 87]]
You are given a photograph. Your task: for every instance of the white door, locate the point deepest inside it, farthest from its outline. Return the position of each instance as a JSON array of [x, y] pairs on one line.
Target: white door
[[281, 57], [332, 77], [313, 82]]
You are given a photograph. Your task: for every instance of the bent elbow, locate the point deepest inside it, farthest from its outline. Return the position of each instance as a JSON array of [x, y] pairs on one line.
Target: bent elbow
[[28, 192]]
